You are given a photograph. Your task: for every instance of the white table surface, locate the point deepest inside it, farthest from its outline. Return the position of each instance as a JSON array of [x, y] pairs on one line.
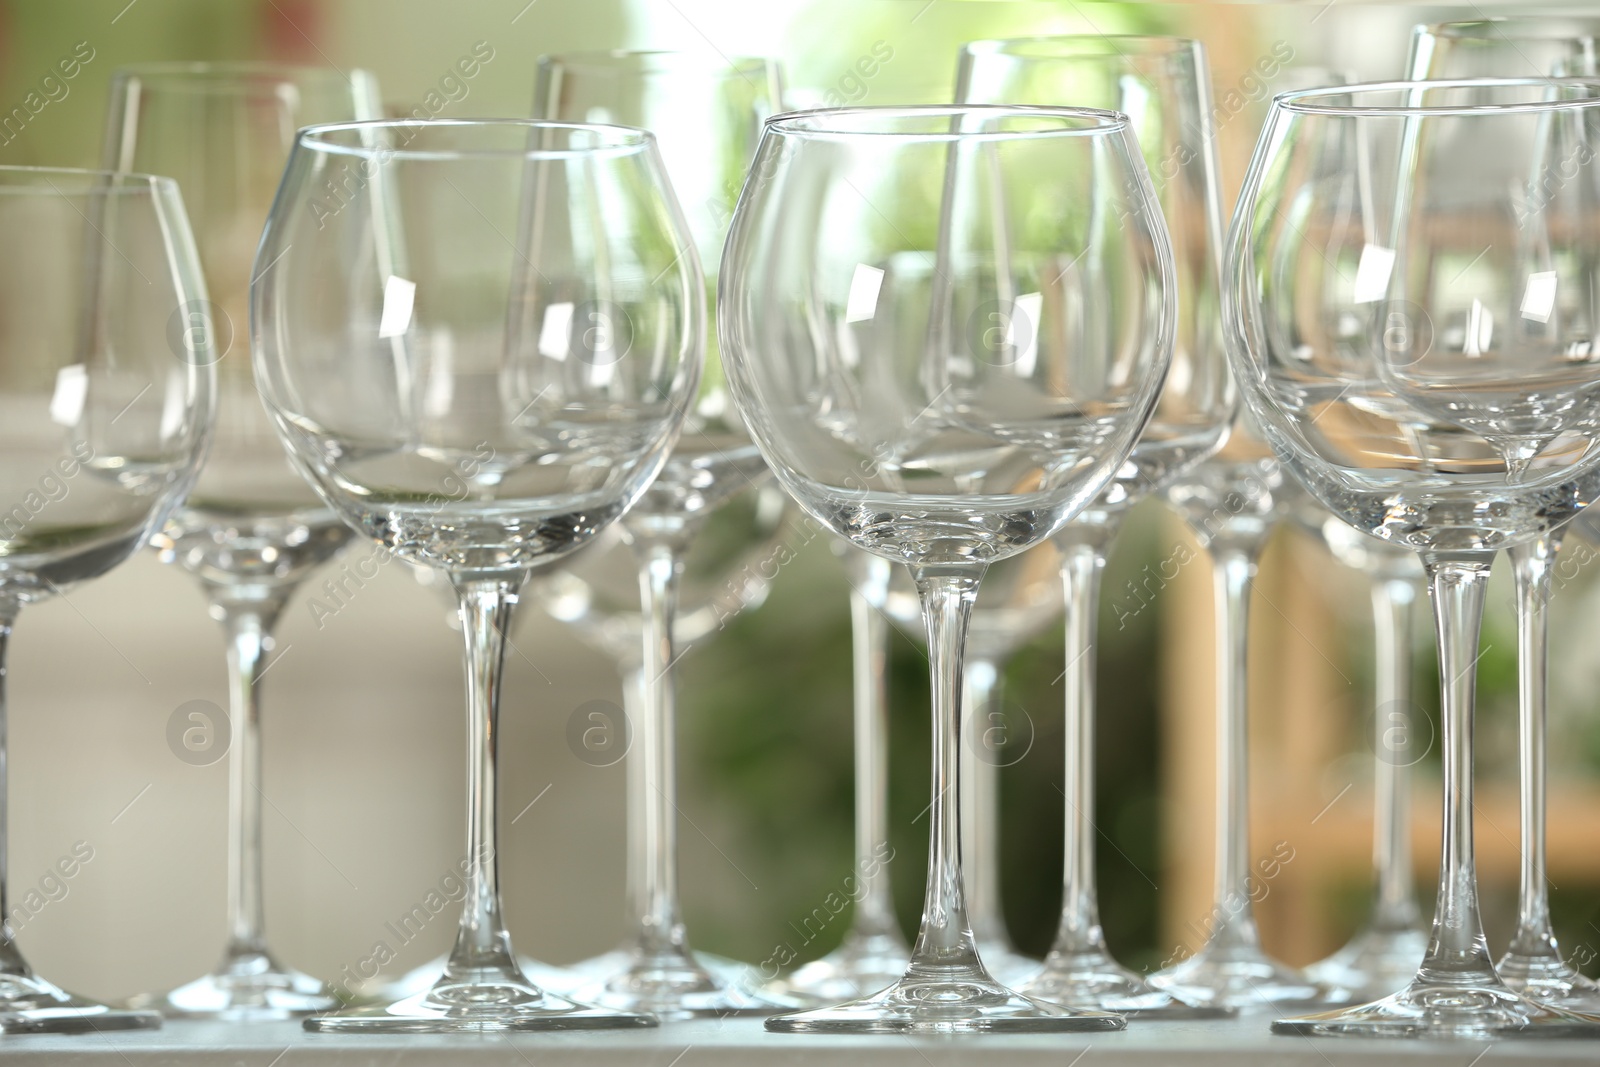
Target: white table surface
[[743, 1042]]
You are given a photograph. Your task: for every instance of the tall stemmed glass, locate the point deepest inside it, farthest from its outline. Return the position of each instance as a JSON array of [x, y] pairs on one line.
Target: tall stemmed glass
[[1161, 83], [423, 358], [1384, 954], [251, 530], [707, 117], [1432, 406], [1533, 963], [105, 422], [977, 440]]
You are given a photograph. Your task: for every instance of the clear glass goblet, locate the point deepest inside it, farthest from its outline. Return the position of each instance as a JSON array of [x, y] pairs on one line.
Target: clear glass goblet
[[251, 531], [1445, 409], [1533, 963], [428, 358], [1162, 84], [105, 419], [707, 118], [929, 425]]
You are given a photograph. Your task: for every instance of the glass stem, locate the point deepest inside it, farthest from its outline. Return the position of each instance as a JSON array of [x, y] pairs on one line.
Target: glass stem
[[483, 949], [980, 802], [1457, 950], [1394, 602], [869, 632], [11, 961], [659, 930], [1530, 569], [636, 853], [944, 950], [1082, 564], [248, 626], [1234, 922]]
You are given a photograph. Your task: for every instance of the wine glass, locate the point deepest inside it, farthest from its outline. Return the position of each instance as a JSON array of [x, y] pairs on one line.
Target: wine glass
[[1029, 376], [1384, 954], [1533, 963], [873, 952], [251, 531], [1446, 410], [1162, 84], [106, 420], [707, 118], [428, 357]]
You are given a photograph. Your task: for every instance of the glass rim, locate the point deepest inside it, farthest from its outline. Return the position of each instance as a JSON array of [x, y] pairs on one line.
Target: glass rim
[[1524, 28], [1142, 44], [1304, 100], [616, 140], [639, 61], [200, 74], [87, 180], [820, 122]]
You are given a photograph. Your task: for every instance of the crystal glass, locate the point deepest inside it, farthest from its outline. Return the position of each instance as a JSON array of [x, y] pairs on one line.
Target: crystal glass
[[1533, 963], [1410, 310], [1384, 954], [707, 117], [251, 530], [873, 953], [947, 426], [106, 417], [431, 358], [1162, 84]]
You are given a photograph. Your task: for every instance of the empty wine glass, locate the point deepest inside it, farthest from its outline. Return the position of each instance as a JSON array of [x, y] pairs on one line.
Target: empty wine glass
[[1533, 963], [1384, 954], [1445, 409], [707, 118], [106, 416], [1161, 83], [929, 424], [251, 531], [428, 356]]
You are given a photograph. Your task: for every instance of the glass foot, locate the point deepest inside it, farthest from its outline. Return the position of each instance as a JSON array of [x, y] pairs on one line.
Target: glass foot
[[422, 978], [1374, 964], [1479, 1008], [1240, 977], [1095, 980], [920, 1004], [247, 989], [1553, 982], [676, 987], [30, 1005], [501, 1002], [859, 967]]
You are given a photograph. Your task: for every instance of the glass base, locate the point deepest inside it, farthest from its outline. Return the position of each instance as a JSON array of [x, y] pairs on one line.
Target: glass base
[[247, 989], [30, 1005], [676, 987], [422, 978], [1240, 977], [1373, 965], [1480, 1009], [920, 1004], [481, 1005], [859, 967], [1095, 980], [1553, 982]]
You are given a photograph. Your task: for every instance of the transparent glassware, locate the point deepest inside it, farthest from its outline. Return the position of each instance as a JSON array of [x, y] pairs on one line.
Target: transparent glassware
[[707, 118], [1533, 963], [428, 359], [1435, 408], [1384, 954], [873, 953], [251, 531], [946, 387], [105, 421], [1162, 84], [1021, 597]]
